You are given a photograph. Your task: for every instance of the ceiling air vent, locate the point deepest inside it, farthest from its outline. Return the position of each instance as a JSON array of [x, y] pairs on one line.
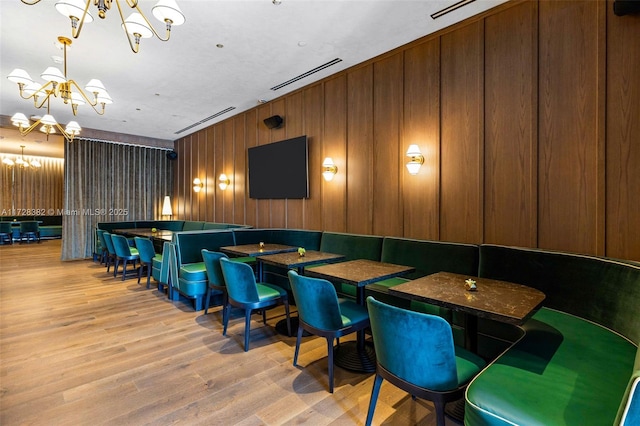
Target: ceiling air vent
[[451, 8], [204, 120], [307, 74]]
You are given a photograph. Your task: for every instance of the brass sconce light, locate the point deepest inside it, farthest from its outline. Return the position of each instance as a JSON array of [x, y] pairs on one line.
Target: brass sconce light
[[166, 206], [416, 159], [223, 181], [329, 169], [197, 185]]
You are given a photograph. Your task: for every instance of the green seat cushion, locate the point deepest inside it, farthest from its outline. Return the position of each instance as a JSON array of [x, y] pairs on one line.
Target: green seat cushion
[[564, 371], [269, 291], [351, 312], [193, 272]]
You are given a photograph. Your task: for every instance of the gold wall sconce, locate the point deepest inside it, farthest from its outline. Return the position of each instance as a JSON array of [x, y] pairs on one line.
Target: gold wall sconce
[[197, 185], [416, 159], [166, 206], [329, 169], [223, 181]]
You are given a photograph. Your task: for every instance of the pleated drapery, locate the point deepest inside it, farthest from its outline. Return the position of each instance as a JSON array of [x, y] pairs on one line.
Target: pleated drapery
[[109, 182], [32, 191]]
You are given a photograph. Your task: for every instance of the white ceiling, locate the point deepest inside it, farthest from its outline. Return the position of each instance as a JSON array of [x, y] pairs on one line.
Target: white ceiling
[[169, 86]]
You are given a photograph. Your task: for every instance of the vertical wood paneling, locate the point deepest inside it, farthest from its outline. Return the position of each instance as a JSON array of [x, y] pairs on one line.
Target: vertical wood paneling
[[568, 126], [250, 139], [263, 137], [209, 154], [461, 143], [294, 127], [313, 107], [510, 122], [212, 184], [623, 136], [334, 193], [237, 173], [189, 171], [359, 150], [226, 168], [421, 126], [387, 116], [278, 207], [179, 182]]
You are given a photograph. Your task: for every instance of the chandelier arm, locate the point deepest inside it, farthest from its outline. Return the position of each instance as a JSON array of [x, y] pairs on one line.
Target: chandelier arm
[[132, 3], [30, 3], [93, 102], [153, 30], [75, 31], [135, 47]]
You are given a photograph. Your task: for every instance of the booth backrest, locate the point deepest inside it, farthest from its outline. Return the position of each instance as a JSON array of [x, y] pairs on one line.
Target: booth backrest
[[190, 225], [605, 291], [352, 246], [189, 244], [252, 236], [215, 225], [429, 257], [310, 240], [110, 226]]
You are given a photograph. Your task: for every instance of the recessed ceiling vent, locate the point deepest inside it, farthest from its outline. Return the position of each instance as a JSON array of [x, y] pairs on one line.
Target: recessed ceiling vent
[[307, 74], [204, 120], [451, 8]]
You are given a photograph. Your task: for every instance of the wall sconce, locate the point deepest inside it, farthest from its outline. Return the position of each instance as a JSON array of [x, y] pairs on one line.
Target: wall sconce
[[329, 169], [166, 206], [416, 159], [197, 185], [223, 181]]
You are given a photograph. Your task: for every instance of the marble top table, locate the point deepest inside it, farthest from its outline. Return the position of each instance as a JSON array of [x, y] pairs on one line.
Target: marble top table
[[496, 300], [358, 357], [158, 237], [258, 249]]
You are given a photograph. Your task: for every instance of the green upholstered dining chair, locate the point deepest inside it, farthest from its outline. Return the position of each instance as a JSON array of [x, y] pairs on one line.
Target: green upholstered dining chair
[[102, 246], [322, 313], [216, 280], [124, 254], [29, 230], [6, 233], [111, 251], [245, 293], [415, 352], [147, 252]]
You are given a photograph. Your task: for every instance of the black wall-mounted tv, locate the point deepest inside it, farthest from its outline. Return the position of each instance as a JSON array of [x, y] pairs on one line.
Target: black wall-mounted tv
[[279, 169]]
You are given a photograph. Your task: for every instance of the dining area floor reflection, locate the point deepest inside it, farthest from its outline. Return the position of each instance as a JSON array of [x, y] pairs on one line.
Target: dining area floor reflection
[[87, 348]]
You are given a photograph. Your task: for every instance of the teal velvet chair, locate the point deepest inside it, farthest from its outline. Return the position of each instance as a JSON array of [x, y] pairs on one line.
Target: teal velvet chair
[[147, 252], [124, 254], [6, 233], [415, 352], [246, 294], [111, 251], [216, 280], [101, 247], [322, 313], [29, 230]]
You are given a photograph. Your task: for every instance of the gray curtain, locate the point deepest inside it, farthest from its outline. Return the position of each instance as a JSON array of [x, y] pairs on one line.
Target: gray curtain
[[109, 182]]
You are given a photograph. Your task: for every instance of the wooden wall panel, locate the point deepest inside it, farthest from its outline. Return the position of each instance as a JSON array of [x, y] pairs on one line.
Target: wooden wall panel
[[278, 208], [313, 107], [226, 168], [294, 126], [461, 144], [568, 126], [250, 139], [623, 136], [237, 173], [510, 155], [334, 193], [218, 141], [263, 137], [208, 155], [387, 165], [359, 150], [421, 125]]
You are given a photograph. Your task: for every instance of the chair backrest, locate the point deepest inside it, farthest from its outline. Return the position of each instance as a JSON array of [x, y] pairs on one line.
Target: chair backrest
[[240, 281], [121, 245], [414, 346], [5, 227], [29, 226], [212, 264], [317, 301], [106, 236], [145, 249]]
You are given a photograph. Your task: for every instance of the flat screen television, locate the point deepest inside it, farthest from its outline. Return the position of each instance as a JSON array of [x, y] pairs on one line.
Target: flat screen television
[[279, 170]]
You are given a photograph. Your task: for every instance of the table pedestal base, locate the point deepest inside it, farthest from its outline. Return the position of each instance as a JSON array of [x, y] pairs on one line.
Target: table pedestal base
[[455, 410], [349, 357], [281, 327]]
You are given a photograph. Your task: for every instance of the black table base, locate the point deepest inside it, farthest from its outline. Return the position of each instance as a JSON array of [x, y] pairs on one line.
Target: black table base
[[281, 327], [350, 357]]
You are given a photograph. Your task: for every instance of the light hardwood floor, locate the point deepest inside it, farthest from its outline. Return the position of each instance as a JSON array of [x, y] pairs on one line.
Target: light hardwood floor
[[78, 347]]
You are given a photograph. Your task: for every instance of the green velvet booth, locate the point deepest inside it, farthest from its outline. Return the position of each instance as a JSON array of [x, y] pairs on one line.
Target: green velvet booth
[[192, 280], [578, 357]]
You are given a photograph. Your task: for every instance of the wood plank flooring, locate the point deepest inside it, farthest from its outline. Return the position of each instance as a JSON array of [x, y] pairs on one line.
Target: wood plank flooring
[[78, 347]]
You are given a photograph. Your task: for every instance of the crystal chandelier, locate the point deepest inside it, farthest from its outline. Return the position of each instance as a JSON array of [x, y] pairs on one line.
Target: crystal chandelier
[[136, 25], [57, 84]]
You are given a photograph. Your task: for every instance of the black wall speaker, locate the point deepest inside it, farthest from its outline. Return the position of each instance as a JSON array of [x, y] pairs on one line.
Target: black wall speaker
[[625, 7], [172, 155], [273, 122]]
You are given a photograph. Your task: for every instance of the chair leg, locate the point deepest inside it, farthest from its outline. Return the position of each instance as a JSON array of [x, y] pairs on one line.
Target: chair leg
[[115, 269], [225, 319], [139, 274], [247, 328], [286, 308], [295, 354], [374, 399], [124, 270], [439, 413], [330, 361], [148, 275], [206, 301]]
